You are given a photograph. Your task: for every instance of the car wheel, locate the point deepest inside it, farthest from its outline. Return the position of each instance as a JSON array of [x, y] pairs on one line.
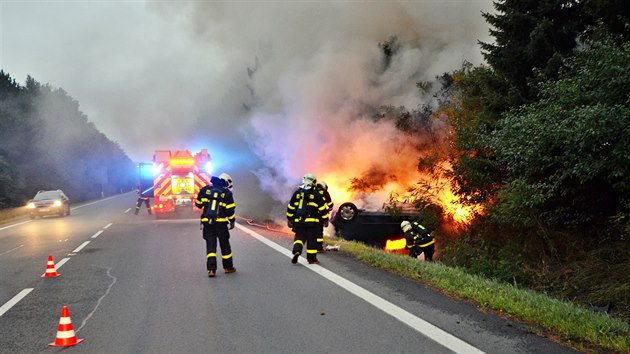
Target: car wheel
[[347, 211]]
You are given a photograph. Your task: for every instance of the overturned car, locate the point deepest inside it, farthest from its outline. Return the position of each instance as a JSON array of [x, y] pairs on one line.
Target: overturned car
[[373, 228]]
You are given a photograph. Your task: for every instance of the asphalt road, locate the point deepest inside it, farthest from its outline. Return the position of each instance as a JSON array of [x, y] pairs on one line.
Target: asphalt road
[[135, 284]]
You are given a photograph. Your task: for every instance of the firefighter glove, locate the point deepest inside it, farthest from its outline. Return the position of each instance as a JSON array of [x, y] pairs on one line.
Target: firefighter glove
[[232, 224], [290, 223], [326, 223]]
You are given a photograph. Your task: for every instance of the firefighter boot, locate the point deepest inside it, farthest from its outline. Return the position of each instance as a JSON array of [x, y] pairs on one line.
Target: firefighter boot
[[230, 270], [212, 273], [296, 255]]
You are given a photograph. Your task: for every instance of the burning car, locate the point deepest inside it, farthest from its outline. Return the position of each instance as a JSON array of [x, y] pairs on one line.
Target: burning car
[[374, 228]]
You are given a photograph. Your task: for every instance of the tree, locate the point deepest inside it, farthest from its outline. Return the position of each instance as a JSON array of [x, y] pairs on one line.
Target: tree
[[568, 155]]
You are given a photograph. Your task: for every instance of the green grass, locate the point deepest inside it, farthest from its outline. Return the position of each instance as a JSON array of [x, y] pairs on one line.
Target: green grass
[[575, 325], [12, 214]]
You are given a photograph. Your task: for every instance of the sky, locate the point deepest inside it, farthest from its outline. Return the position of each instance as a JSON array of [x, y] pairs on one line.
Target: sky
[[273, 89]]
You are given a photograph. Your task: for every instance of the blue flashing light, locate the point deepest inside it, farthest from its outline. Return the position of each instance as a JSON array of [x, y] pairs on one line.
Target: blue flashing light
[[208, 167], [156, 169]]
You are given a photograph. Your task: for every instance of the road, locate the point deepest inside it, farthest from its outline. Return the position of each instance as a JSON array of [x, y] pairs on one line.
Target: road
[[134, 284]]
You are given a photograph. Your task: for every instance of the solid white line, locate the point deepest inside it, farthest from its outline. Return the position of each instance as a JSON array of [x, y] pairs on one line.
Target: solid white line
[[96, 234], [20, 223], [7, 306], [11, 250], [76, 250], [96, 201], [436, 334], [107, 226]]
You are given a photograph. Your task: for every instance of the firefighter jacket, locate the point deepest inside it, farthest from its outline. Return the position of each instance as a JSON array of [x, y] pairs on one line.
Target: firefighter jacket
[[418, 236], [217, 203], [327, 198], [307, 208], [140, 195]]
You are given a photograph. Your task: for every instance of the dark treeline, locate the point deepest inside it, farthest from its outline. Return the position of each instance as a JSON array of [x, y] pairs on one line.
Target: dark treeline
[[541, 139], [46, 142]]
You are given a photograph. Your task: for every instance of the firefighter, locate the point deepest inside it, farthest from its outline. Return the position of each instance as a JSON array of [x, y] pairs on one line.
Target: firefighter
[[141, 200], [217, 218], [418, 239], [305, 213], [322, 188]]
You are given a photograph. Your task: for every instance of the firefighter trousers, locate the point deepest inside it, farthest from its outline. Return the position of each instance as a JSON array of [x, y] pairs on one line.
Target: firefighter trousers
[[308, 236], [213, 233], [428, 252], [139, 204]]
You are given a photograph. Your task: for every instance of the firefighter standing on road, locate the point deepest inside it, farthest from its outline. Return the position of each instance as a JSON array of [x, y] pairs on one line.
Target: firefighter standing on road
[[418, 239], [322, 188], [305, 212], [217, 218], [141, 200]]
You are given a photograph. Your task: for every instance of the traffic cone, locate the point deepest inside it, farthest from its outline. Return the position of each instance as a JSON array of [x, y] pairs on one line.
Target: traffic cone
[[65, 331], [51, 270]]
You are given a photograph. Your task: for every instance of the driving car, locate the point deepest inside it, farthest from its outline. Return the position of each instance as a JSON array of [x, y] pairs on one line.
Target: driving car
[[370, 227], [52, 202]]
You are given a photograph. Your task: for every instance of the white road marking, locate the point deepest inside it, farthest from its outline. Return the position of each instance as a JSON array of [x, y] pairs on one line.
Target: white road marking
[[61, 262], [96, 234], [11, 250], [76, 250], [94, 202], [436, 334], [107, 226], [7, 306], [20, 223], [126, 211]]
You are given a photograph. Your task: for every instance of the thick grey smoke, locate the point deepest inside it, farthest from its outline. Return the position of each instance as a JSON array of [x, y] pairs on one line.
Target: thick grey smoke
[[272, 89]]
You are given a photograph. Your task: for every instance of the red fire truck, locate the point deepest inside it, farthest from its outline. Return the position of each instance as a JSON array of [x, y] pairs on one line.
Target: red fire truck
[[177, 178]]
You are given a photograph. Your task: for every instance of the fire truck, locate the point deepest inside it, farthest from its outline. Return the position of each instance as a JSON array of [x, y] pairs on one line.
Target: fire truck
[[177, 178]]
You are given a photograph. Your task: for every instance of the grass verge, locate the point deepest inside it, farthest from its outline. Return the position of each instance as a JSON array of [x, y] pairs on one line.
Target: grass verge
[[576, 326], [12, 214]]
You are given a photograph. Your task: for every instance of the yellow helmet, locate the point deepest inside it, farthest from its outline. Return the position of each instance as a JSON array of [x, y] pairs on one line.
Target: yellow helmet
[[309, 179], [405, 226], [227, 178]]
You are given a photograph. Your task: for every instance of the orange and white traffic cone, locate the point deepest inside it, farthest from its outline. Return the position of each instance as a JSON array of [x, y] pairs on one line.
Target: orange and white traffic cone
[[51, 270], [65, 331]]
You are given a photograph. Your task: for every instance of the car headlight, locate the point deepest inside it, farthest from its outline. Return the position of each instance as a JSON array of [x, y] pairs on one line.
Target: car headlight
[[57, 203], [30, 205]]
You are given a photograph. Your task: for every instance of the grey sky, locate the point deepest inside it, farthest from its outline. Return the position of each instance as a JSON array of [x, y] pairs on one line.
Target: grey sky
[[174, 74]]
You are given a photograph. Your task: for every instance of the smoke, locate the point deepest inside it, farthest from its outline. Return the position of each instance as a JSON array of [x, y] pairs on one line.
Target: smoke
[[272, 89], [316, 74]]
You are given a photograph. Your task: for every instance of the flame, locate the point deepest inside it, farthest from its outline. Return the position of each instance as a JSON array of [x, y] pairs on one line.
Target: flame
[[460, 213], [394, 245]]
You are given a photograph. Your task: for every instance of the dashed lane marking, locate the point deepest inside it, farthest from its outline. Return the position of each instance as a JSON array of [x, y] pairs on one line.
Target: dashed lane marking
[[7, 306]]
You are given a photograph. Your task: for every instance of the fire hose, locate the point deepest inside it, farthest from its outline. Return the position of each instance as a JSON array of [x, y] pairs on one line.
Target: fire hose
[[251, 222]]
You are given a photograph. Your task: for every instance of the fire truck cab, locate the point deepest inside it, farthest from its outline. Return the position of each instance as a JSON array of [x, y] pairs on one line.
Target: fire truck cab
[[177, 178]]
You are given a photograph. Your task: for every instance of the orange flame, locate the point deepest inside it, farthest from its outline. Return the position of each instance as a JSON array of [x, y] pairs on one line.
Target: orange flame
[[395, 245]]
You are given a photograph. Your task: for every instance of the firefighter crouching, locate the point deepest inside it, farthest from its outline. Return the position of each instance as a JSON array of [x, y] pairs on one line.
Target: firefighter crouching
[[322, 188], [418, 239], [305, 213], [141, 200], [217, 218]]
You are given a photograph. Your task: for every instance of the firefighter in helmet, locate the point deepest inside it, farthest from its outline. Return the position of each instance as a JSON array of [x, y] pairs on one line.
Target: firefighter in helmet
[[418, 239], [305, 213], [142, 199], [322, 188], [217, 218]]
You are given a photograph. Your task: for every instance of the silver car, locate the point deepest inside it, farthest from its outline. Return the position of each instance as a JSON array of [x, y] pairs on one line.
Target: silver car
[[53, 202]]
